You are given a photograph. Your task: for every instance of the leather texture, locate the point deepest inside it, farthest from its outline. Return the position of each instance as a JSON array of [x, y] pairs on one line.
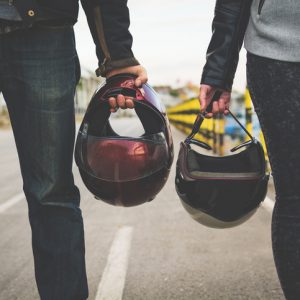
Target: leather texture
[[228, 27]]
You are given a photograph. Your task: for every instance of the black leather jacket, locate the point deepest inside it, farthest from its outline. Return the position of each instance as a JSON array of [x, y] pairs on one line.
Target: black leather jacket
[[229, 26], [108, 21]]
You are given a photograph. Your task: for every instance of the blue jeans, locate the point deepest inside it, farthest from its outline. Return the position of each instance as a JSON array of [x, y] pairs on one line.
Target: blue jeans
[[39, 70]]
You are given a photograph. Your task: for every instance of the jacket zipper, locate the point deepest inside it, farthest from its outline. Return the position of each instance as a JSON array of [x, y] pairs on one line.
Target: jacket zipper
[[260, 6]]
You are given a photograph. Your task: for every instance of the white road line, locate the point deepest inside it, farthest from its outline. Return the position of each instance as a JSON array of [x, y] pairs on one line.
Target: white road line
[[112, 282], [11, 202], [268, 204]]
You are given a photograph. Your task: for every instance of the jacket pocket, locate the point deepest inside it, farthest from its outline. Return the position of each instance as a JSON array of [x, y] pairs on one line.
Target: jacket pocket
[[260, 6]]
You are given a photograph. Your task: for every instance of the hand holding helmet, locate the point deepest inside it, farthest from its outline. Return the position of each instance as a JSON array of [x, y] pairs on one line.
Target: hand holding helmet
[[221, 192], [127, 101], [122, 170], [220, 105]]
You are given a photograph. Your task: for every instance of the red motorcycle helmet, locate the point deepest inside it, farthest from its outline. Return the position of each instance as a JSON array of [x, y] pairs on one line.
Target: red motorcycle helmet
[[122, 170]]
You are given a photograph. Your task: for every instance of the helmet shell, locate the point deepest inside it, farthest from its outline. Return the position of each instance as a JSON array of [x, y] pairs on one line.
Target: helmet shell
[[221, 192], [124, 171]]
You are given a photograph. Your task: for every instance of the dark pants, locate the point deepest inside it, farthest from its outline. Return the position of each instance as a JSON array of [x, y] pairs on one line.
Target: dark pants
[[275, 91], [39, 70]]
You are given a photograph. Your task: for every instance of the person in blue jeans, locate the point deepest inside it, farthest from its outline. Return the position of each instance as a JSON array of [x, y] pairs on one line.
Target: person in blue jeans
[[39, 70]]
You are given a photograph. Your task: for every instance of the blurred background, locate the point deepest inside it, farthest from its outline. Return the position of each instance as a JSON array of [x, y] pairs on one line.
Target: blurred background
[[170, 40]]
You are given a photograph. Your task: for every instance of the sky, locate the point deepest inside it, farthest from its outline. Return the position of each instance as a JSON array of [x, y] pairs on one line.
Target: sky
[[170, 40]]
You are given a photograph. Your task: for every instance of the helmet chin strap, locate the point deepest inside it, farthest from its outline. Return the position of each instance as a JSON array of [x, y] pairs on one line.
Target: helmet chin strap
[[200, 118], [241, 125]]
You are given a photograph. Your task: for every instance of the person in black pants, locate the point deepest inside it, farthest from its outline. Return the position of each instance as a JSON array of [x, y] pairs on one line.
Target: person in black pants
[[39, 70], [270, 30]]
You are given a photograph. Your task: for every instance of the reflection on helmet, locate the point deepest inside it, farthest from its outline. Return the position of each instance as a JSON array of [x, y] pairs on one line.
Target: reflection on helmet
[[221, 192], [120, 170]]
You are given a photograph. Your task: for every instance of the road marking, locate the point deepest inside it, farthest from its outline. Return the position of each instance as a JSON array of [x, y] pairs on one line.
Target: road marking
[[11, 202], [112, 282], [268, 204]]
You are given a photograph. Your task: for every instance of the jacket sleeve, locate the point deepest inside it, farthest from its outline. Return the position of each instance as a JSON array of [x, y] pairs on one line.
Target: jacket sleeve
[[228, 30], [109, 22]]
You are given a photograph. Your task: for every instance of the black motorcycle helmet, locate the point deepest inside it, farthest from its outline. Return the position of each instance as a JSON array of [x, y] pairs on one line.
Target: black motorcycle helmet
[[121, 170], [221, 192]]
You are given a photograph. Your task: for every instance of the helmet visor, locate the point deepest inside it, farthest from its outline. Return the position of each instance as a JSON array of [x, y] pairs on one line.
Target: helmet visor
[[120, 159]]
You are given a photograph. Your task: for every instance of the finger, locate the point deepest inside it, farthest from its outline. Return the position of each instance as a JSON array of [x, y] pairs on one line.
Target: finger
[[129, 103], [112, 102], [215, 107], [140, 81], [204, 98], [209, 115], [221, 105], [142, 78], [225, 96], [226, 112], [121, 101]]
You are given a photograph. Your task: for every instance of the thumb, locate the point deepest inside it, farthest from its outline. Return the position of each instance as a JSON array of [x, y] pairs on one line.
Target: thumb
[[142, 77]]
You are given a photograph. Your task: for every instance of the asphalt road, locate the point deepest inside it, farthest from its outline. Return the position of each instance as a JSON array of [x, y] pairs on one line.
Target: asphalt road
[[151, 252]]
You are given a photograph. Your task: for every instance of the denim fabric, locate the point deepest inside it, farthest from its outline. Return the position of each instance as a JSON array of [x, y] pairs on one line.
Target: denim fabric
[[8, 11], [39, 70], [275, 91]]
